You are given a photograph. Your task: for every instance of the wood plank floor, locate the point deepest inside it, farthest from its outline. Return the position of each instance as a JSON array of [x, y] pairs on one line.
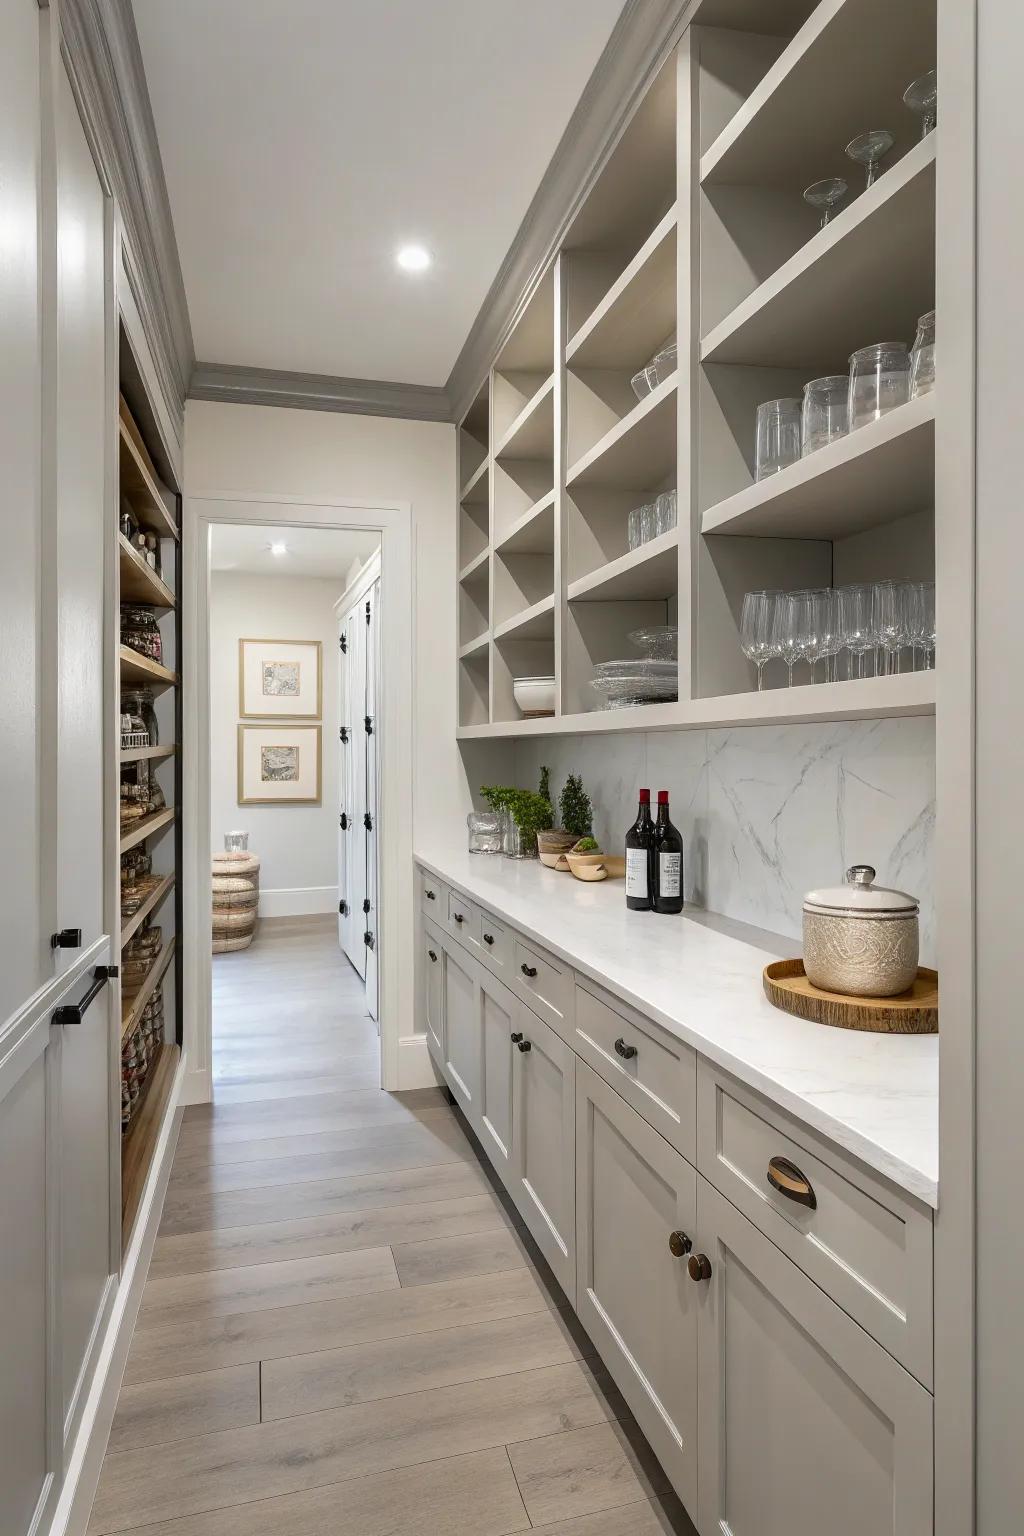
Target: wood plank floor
[[345, 1330]]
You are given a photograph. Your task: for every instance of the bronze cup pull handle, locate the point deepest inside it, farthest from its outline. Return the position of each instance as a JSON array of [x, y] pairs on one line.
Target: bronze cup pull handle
[[789, 1181]]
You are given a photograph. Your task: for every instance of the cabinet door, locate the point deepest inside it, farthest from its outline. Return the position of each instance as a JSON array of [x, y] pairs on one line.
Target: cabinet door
[[544, 1142], [806, 1424], [353, 793], [462, 1032], [433, 993], [83, 530], [634, 1297], [497, 1015]]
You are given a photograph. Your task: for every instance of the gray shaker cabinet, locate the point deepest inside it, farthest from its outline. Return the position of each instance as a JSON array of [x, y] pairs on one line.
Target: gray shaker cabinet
[[543, 1172]]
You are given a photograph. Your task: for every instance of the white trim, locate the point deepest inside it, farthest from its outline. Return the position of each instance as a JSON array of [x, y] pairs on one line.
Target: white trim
[[298, 901], [368, 574], [85, 1455], [404, 1060]]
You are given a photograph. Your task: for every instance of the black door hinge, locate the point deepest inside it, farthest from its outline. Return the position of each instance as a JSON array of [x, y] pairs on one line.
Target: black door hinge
[[367, 610], [368, 939], [368, 822], [343, 821], [343, 733], [366, 903], [368, 723], [343, 642], [343, 908]]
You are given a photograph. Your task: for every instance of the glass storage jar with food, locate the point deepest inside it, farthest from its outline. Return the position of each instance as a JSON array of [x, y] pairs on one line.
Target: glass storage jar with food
[[139, 631]]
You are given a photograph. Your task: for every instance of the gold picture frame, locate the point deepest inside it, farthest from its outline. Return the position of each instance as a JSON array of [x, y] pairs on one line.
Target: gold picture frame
[[289, 754], [279, 662]]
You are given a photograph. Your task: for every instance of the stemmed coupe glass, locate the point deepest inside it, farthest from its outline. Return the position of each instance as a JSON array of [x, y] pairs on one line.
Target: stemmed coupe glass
[[826, 195], [921, 96], [869, 149]]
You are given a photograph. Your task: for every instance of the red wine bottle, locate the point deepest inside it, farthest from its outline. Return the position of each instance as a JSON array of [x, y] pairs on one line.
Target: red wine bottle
[[667, 861], [638, 857]]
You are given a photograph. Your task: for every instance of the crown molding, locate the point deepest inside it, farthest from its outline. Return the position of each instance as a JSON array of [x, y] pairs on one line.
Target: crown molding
[[318, 392], [639, 44], [101, 49]]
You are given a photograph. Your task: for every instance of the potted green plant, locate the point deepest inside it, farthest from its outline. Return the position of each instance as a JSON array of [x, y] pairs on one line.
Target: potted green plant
[[552, 842], [500, 797], [532, 814], [577, 811]]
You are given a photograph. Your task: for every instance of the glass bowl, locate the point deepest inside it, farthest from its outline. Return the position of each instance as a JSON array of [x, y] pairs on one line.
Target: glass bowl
[[658, 642]]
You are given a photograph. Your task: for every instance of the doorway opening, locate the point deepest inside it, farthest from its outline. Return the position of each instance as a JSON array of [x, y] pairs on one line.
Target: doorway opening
[[296, 745]]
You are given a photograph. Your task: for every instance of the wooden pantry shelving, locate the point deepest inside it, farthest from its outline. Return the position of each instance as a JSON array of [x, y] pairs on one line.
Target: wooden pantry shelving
[[693, 231], [147, 827], [140, 671], [132, 924]]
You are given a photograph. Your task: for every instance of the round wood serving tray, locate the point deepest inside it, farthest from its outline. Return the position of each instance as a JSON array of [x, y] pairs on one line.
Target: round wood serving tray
[[915, 1012]]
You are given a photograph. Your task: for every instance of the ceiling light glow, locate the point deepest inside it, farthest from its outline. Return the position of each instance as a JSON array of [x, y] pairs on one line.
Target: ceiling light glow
[[279, 549], [413, 258]]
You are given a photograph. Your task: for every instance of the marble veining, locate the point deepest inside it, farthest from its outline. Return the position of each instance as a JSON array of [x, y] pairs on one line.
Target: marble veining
[[770, 812], [876, 1096]]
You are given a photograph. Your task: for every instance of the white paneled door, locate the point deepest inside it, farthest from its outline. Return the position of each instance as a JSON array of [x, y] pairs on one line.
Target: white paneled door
[[359, 770]]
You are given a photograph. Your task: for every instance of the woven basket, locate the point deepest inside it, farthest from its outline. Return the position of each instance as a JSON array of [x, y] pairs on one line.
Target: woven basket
[[236, 895], [244, 866], [234, 922], [225, 946]]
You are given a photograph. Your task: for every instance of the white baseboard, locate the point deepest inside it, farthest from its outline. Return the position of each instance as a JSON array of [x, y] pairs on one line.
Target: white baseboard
[[71, 1516], [299, 901]]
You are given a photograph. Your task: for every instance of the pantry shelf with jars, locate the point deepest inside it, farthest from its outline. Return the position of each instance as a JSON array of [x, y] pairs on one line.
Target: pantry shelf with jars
[[148, 570], [723, 384]]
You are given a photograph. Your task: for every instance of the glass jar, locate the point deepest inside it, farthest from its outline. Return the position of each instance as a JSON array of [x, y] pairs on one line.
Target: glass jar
[[778, 437], [826, 412], [879, 381], [484, 832], [140, 633], [922, 357], [511, 838], [236, 842]]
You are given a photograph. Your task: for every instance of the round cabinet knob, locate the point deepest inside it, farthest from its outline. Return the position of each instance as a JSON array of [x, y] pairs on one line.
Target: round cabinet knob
[[679, 1245], [627, 1052], [430, 895], [524, 1045], [488, 938], [516, 1037], [699, 1266]]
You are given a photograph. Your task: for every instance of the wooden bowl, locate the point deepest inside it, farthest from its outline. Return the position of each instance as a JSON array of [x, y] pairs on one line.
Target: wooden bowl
[[587, 866]]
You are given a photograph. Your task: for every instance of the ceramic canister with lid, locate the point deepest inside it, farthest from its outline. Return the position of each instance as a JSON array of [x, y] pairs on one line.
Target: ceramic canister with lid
[[860, 938]]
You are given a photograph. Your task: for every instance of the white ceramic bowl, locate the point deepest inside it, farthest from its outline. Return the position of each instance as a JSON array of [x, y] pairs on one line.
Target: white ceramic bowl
[[534, 695]]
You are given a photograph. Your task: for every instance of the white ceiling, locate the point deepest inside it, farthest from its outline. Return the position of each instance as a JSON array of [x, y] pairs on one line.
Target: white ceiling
[[304, 140], [321, 552]]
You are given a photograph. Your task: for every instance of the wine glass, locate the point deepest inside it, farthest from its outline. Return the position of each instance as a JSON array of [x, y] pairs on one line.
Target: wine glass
[[786, 630], [868, 149], [855, 621], [889, 620], [756, 637], [817, 625], [826, 195], [921, 620], [921, 96]]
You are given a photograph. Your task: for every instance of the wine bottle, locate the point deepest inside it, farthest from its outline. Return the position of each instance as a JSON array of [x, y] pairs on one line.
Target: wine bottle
[[638, 857], [667, 861]]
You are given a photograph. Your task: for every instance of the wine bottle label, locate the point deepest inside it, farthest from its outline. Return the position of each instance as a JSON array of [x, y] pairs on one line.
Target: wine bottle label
[[670, 873], [636, 872]]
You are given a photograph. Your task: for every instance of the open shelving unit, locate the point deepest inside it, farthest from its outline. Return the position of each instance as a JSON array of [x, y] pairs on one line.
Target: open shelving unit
[[154, 510], [693, 230]]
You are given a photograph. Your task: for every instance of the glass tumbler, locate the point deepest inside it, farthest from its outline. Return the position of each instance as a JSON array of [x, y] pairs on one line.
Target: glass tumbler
[[826, 412], [879, 381], [778, 437], [922, 357], [484, 829]]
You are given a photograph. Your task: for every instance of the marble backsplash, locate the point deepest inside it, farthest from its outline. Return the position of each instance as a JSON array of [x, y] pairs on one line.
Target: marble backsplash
[[769, 812]]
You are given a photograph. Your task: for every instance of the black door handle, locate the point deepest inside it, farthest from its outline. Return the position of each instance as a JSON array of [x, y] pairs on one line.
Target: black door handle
[[524, 1045], [488, 938], [528, 970], [627, 1052], [74, 1013], [516, 1037], [458, 917], [67, 938], [430, 895], [432, 953]]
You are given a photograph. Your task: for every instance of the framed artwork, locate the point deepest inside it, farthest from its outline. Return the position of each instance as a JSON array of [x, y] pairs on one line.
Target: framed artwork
[[280, 679], [279, 764]]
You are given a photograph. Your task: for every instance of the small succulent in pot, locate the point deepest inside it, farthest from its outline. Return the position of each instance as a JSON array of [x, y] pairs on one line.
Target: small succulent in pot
[[586, 845]]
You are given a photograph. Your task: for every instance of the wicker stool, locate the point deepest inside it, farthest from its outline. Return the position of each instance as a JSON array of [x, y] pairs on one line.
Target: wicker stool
[[235, 895]]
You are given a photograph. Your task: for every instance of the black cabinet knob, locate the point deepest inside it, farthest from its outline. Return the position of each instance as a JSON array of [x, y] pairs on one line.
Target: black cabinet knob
[[432, 954], [528, 970], [524, 1045], [458, 917], [699, 1266], [627, 1052], [67, 938], [679, 1245], [488, 938], [430, 895], [516, 1037]]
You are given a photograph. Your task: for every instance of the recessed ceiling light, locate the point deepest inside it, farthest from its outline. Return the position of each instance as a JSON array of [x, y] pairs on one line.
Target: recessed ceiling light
[[279, 549], [413, 258]]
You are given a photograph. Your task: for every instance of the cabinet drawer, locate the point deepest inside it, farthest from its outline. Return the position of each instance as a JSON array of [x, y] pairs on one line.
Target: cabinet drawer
[[545, 983], [652, 1071], [464, 920], [433, 896], [866, 1245], [496, 945]]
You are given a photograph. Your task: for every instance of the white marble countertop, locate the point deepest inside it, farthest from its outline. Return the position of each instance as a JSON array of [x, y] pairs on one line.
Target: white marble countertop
[[699, 976]]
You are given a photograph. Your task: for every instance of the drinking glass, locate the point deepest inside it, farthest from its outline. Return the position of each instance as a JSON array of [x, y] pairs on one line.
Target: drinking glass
[[634, 527], [855, 622], [869, 149], [778, 437], [825, 414], [879, 381], [831, 634], [756, 630], [664, 513], [889, 621], [922, 357], [921, 620], [817, 628], [786, 629], [921, 96], [826, 195]]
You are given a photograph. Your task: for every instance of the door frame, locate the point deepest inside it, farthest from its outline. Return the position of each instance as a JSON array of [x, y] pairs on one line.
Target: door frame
[[404, 1060]]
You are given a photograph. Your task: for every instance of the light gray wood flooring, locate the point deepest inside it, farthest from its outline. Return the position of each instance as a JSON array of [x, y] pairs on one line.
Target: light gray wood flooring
[[344, 1331]]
